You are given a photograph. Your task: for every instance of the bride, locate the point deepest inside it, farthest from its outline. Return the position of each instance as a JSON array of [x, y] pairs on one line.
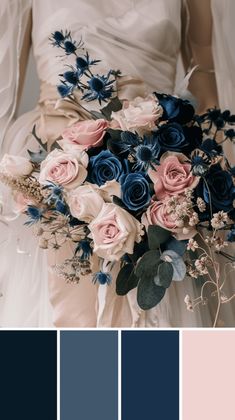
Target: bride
[[144, 39]]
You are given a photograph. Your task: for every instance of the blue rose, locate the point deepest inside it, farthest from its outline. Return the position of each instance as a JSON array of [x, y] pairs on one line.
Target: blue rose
[[175, 138], [221, 188], [175, 109], [170, 137], [135, 191], [104, 167]]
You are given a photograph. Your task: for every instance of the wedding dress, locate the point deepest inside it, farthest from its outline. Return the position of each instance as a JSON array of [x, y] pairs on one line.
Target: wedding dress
[[140, 37]]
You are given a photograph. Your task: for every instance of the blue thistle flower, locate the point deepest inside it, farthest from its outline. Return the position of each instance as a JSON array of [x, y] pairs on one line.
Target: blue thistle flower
[[55, 192], [57, 38], [102, 278], [83, 64], [146, 154], [100, 88], [71, 77], [84, 247], [35, 214], [61, 207], [231, 236], [65, 90], [200, 162], [70, 47]]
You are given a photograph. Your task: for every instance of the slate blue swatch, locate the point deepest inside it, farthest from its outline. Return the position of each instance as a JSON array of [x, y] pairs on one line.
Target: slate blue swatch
[[28, 382], [89, 375], [150, 375]]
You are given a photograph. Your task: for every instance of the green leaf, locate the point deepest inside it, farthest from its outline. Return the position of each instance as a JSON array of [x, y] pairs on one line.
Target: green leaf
[[37, 157], [157, 236], [148, 264], [178, 246], [118, 202], [96, 115], [43, 145], [126, 280], [114, 134], [114, 105], [165, 274], [179, 267], [148, 294]]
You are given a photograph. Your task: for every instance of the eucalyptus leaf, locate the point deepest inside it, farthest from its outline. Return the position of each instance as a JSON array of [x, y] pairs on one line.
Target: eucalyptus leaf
[[118, 202], [179, 267], [148, 264], [114, 105], [165, 275], [114, 134], [55, 145], [37, 157], [174, 245], [157, 236], [43, 145], [126, 280], [148, 293]]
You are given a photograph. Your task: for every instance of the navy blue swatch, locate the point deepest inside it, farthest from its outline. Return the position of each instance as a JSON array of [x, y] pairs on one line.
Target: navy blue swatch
[[28, 382], [150, 375], [89, 375]]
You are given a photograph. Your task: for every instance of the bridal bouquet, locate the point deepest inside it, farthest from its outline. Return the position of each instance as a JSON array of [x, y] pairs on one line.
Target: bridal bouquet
[[144, 183]]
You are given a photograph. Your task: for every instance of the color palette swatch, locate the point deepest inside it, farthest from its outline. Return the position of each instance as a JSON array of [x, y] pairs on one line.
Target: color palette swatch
[[117, 375], [208, 363], [28, 381], [150, 375], [89, 375]]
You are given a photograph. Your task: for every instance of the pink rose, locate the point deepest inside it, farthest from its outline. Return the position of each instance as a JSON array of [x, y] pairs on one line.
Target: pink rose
[[84, 134], [85, 202], [114, 232], [138, 115], [15, 166], [173, 176], [66, 169], [158, 213]]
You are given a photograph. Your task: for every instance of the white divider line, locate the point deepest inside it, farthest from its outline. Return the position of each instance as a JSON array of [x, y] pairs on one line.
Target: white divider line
[[58, 374], [119, 374], [181, 375]]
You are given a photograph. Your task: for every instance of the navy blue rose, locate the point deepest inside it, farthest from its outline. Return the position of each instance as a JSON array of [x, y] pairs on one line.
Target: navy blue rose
[[193, 136], [175, 138], [175, 109], [170, 137], [221, 188], [135, 191], [104, 167]]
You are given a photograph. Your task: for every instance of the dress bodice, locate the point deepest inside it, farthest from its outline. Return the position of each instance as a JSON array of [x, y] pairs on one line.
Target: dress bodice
[[139, 37]]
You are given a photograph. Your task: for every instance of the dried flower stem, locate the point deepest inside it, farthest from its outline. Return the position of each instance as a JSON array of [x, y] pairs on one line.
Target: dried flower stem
[[30, 187]]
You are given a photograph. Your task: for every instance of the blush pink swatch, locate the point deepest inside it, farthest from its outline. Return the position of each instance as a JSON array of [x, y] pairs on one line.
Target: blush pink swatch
[[208, 362]]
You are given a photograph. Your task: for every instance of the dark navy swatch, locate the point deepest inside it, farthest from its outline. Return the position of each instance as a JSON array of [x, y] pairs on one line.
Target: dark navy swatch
[[28, 382], [89, 375], [150, 375]]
